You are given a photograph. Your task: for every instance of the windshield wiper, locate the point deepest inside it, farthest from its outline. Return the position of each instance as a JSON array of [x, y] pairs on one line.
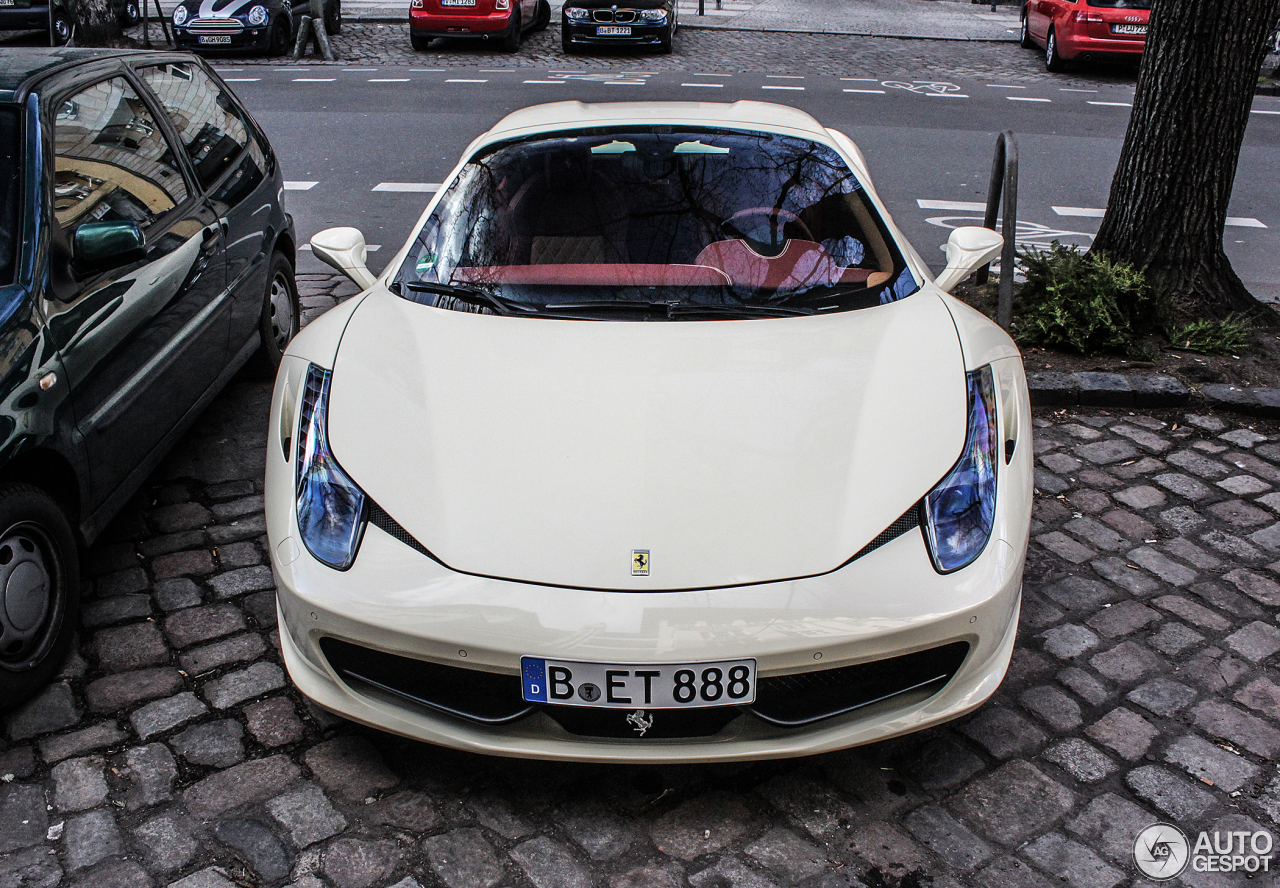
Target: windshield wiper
[[674, 310], [469, 295]]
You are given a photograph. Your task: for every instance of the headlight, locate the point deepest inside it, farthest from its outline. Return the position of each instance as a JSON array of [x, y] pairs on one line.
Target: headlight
[[331, 509], [959, 512], [653, 15], [258, 15], [576, 14], [180, 15]]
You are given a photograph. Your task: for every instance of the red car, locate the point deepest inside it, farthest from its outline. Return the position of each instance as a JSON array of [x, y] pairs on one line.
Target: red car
[[502, 20], [1085, 29]]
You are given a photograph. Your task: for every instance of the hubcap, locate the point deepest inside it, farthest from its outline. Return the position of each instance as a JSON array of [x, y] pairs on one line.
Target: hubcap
[[281, 308], [26, 595], [62, 28], [1050, 46]]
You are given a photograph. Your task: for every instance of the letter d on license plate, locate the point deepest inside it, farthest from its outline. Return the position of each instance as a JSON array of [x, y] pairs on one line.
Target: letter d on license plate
[[645, 685]]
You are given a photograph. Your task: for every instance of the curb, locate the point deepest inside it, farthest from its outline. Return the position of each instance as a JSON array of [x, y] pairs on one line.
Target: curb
[[1152, 391]]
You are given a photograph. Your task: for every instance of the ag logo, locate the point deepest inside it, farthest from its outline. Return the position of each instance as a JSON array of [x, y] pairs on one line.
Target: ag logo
[[1161, 851], [639, 562]]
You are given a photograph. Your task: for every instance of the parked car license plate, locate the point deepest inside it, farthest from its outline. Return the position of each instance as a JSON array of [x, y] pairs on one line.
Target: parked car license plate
[[216, 38], [612, 31], [1128, 29], [643, 685], [7, 3], [457, 2]]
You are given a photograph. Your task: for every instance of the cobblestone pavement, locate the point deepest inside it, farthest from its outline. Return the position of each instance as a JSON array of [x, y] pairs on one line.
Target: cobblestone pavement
[[172, 749], [723, 50]]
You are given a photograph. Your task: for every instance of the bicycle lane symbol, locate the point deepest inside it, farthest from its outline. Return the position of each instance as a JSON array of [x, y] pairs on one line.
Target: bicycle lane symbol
[[1028, 235], [927, 88]]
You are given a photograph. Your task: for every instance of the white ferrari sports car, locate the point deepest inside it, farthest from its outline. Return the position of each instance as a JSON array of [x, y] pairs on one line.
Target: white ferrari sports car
[[656, 442]]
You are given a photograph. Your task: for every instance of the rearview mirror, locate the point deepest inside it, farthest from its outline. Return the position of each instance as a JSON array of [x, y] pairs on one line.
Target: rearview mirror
[[98, 246], [344, 249], [968, 248]]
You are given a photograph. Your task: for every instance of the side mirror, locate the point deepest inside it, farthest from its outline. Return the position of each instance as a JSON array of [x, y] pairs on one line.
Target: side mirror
[[344, 249], [98, 246], [968, 248]]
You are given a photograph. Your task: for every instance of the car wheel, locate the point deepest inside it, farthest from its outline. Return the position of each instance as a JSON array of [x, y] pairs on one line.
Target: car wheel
[[131, 14], [511, 42], [664, 43], [419, 41], [544, 15], [40, 576], [59, 28], [279, 321], [1024, 39], [1052, 61], [333, 21], [280, 37]]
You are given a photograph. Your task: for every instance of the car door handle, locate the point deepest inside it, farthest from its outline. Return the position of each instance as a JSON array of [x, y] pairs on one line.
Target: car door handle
[[211, 237]]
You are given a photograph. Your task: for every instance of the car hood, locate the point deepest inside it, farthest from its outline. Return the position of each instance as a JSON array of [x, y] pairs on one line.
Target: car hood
[[736, 452]]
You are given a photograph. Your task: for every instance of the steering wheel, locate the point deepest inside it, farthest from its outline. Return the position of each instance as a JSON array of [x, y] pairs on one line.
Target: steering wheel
[[776, 217]]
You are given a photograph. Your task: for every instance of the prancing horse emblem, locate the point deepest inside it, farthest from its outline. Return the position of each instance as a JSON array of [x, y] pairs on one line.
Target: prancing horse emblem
[[639, 562], [639, 722]]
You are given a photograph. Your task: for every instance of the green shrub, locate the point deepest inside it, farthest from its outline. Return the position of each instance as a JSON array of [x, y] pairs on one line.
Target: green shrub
[[1082, 302], [1227, 337]]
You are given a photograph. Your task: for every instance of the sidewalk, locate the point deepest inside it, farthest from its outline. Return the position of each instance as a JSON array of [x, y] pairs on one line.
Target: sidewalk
[[936, 19]]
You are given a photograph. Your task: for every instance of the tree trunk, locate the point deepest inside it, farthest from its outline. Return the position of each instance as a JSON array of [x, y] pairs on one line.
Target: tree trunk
[[1168, 203], [95, 23]]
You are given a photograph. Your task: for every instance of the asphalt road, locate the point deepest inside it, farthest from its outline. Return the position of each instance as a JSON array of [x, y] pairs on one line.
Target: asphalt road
[[928, 141]]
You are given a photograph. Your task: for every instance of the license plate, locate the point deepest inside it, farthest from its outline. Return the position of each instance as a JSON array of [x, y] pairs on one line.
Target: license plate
[[1128, 29], [639, 685], [216, 38], [612, 31], [6, 3], [457, 2]]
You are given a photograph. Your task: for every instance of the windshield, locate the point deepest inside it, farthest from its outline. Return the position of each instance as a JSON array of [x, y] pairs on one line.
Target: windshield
[[10, 193], [690, 224]]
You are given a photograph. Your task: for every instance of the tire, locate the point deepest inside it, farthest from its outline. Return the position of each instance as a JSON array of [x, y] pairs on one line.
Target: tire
[[59, 28], [40, 572], [333, 21], [1053, 62], [279, 321], [543, 18], [132, 14], [1024, 39], [511, 42], [281, 35], [420, 42]]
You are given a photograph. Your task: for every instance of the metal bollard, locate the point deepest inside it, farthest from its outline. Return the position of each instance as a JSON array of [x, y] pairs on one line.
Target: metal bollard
[[1004, 184]]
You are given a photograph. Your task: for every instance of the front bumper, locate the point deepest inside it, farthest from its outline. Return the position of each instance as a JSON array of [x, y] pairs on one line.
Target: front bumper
[[491, 26], [257, 39], [642, 34], [16, 18]]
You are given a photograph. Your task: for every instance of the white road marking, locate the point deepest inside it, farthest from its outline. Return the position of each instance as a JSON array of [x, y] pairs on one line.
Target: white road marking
[[314, 79], [464, 80], [299, 186], [624, 83], [1068, 89], [860, 79], [1096, 213], [966, 206], [705, 85], [242, 79], [388, 80], [499, 70], [221, 70], [1112, 104], [413, 187], [427, 70], [700, 74], [772, 86], [548, 82], [1026, 99], [359, 70], [934, 95], [289, 70], [1003, 86], [786, 76], [878, 92], [1259, 111]]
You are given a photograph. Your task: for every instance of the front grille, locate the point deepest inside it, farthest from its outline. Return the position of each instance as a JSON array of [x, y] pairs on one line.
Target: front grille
[[485, 697], [806, 697], [619, 16], [215, 26], [783, 700]]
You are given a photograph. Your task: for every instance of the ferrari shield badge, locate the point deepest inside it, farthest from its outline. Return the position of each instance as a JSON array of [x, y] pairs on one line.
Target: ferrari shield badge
[[639, 562]]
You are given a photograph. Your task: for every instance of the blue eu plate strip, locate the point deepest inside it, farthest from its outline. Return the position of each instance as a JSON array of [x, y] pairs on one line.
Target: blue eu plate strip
[[534, 674]]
